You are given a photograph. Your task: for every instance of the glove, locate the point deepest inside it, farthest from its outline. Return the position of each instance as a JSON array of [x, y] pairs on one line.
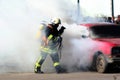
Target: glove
[[61, 30], [62, 27]]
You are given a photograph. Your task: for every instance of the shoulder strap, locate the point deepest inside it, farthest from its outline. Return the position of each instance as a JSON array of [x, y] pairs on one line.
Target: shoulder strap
[[50, 26]]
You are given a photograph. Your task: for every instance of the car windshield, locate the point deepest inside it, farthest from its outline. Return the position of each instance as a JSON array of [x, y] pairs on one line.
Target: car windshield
[[105, 31]]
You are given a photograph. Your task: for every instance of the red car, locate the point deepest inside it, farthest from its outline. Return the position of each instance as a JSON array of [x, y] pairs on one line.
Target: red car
[[106, 55]]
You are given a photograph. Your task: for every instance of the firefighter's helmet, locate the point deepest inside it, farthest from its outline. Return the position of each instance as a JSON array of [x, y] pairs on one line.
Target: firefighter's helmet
[[56, 21]]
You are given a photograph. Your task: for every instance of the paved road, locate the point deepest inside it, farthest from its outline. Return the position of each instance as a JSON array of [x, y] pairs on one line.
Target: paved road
[[54, 76]]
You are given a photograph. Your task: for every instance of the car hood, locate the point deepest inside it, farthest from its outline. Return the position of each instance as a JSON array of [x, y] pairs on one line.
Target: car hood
[[110, 40]]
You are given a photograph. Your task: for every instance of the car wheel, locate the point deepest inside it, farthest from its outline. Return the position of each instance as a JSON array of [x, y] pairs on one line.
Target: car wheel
[[101, 64]]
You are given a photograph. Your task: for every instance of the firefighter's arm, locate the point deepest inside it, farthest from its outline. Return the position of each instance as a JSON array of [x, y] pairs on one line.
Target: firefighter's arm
[[45, 40], [47, 36], [61, 30]]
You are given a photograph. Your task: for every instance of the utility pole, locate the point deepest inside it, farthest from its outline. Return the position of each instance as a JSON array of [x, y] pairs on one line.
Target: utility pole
[[112, 8], [78, 11]]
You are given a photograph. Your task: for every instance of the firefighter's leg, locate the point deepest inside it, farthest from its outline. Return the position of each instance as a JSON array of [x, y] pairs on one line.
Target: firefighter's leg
[[56, 63], [39, 62]]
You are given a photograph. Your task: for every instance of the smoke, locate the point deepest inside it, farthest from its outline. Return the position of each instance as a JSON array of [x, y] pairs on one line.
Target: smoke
[[19, 22], [76, 50], [18, 46]]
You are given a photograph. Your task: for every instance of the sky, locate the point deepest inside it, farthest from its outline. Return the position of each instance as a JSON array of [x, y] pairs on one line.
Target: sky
[[97, 7], [20, 19]]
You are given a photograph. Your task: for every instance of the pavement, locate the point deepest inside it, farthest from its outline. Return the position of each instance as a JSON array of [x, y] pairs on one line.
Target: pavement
[[64, 76]]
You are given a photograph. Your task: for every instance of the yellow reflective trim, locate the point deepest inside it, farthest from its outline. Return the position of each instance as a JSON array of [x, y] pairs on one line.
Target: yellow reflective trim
[[37, 63], [47, 50], [39, 59], [50, 36], [56, 64]]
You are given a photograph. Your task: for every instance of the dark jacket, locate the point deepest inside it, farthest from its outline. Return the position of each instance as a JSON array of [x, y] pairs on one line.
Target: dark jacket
[[52, 30]]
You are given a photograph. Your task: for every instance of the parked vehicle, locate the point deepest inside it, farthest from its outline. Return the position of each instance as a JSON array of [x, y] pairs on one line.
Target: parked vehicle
[[106, 56]]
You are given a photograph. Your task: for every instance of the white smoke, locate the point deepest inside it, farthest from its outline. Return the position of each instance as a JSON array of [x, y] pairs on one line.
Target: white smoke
[[19, 22], [76, 50], [18, 47]]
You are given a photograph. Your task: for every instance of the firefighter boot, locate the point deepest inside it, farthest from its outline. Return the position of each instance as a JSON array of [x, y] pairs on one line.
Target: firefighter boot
[[38, 70], [59, 69]]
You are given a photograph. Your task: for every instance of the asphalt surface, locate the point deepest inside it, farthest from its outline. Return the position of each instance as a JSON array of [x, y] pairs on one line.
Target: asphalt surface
[[64, 76]]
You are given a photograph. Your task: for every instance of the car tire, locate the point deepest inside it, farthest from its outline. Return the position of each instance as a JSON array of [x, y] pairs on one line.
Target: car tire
[[101, 64]]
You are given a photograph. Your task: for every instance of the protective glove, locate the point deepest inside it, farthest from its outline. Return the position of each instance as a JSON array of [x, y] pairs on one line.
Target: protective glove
[[62, 27], [61, 30]]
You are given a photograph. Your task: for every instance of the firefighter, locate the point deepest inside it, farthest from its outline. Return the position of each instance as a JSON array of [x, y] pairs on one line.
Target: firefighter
[[50, 43]]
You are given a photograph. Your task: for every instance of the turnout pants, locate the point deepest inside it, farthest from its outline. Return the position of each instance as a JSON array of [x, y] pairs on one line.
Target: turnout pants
[[55, 59]]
